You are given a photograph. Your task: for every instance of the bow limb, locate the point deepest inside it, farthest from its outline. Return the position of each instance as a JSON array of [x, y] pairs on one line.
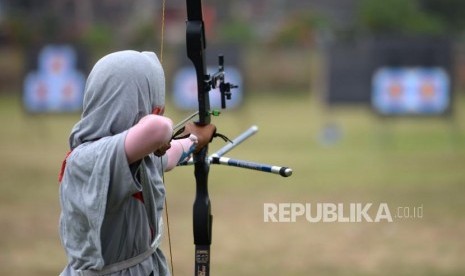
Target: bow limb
[[202, 218]]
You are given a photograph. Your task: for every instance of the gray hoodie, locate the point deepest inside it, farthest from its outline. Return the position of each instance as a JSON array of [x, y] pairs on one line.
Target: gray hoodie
[[111, 219]]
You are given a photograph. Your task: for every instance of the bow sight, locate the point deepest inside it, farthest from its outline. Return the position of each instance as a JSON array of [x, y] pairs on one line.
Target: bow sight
[[217, 81]]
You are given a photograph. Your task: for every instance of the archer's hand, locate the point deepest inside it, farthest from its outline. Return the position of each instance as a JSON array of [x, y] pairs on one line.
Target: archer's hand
[[162, 150], [204, 134]]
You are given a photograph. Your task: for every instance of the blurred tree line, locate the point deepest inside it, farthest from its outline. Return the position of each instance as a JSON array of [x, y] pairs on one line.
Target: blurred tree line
[[425, 17], [96, 24], [106, 23], [284, 30]]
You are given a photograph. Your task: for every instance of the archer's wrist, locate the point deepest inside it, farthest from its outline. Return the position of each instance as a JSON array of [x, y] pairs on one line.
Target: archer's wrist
[[188, 146]]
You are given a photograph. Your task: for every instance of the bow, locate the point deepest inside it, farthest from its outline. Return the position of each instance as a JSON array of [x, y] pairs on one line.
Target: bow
[[202, 218]]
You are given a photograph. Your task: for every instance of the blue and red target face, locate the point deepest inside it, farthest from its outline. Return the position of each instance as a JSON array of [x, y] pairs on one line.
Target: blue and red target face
[[55, 83], [411, 91]]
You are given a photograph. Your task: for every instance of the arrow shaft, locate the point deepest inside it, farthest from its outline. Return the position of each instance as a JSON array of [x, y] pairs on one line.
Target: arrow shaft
[[236, 142]]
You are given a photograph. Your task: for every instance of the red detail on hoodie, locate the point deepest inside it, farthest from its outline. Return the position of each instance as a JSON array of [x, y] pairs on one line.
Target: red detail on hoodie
[[63, 166], [158, 110], [138, 196]]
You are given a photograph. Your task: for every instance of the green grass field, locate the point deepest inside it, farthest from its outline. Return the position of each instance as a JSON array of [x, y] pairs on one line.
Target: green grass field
[[402, 162]]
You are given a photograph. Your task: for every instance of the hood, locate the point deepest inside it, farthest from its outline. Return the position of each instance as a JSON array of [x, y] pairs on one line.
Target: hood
[[121, 88]]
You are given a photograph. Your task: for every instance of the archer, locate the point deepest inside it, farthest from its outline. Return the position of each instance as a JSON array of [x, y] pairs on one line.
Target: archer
[[112, 191]]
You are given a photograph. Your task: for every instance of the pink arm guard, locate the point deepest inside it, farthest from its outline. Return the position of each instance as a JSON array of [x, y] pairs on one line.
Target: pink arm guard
[[149, 134]]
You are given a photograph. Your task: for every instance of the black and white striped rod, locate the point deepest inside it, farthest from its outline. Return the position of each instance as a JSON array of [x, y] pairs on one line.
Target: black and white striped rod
[[283, 171], [217, 157]]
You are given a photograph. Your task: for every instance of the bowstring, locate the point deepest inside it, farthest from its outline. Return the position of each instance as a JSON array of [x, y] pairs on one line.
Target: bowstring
[[162, 30], [163, 171], [168, 230]]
